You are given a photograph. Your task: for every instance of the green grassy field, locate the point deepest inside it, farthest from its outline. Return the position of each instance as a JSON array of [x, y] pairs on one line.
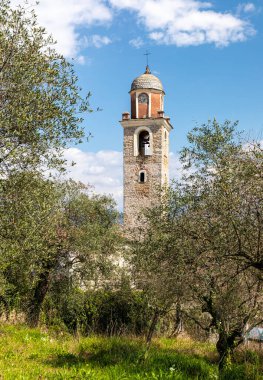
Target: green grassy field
[[34, 354]]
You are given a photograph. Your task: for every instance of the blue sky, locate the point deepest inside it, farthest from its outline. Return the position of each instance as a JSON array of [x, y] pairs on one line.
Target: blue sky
[[208, 55], [201, 82]]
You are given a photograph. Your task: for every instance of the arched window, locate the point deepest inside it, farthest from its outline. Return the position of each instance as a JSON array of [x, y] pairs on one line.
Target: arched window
[[143, 141], [143, 98], [144, 144], [142, 176]]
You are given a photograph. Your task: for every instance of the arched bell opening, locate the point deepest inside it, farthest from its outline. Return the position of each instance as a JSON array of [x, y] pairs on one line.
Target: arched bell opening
[[144, 144]]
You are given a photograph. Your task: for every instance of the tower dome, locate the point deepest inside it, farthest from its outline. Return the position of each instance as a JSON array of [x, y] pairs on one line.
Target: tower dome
[[147, 81]]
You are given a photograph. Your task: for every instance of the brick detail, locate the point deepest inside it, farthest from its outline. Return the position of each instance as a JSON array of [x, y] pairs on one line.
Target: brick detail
[[156, 104], [143, 110]]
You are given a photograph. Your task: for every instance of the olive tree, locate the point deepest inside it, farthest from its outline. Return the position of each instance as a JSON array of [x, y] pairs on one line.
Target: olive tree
[[40, 101], [225, 296], [210, 246], [223, 228], [52, 230]]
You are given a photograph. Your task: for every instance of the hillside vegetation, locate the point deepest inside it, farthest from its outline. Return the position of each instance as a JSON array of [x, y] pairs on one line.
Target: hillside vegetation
[[34, 354]]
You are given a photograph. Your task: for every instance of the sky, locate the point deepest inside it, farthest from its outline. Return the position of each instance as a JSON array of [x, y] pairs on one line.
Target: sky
[[208, 55]]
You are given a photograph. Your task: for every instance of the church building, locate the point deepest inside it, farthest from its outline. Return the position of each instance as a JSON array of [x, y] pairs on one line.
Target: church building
[[145, 147]]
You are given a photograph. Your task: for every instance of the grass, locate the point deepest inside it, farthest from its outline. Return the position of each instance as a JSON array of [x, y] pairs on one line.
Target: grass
[[33, 354]]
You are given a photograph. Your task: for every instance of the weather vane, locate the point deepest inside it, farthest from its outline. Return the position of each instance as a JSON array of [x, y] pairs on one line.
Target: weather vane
[[147, 57]]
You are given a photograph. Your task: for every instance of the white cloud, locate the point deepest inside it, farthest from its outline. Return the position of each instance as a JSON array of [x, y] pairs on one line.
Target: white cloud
[[102, 169], [246, 7], [97, 41], [81, 60], [136, 42], [178, 22], [62, 18], [187, 22]]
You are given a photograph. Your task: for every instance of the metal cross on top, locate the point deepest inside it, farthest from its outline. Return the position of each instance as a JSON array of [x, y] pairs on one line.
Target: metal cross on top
[[147, 57]]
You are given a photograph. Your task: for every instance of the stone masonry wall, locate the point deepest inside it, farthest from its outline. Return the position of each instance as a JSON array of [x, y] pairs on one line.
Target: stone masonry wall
[[138, 196]]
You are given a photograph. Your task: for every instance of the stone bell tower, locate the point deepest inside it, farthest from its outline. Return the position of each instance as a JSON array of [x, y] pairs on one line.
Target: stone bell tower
[[145, 149]]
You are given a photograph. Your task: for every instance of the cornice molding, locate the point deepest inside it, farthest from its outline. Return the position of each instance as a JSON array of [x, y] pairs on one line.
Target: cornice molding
[[147, 122]]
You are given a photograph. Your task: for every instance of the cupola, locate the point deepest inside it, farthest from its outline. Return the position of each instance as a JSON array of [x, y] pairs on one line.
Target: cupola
[[147, 95]]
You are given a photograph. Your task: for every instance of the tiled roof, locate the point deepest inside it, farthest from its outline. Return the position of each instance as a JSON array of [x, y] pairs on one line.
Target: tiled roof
[[147, 81]]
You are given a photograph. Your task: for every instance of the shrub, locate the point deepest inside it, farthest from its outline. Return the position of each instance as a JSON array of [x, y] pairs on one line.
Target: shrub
[[102, 312]]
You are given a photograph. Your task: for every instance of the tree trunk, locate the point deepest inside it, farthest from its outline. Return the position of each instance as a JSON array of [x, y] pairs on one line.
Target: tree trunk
[[178, 324], [225, 347], [152, 328], [38, 297]]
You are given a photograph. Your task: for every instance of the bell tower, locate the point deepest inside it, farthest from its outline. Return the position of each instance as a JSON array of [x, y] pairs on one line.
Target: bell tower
[[145, 147]]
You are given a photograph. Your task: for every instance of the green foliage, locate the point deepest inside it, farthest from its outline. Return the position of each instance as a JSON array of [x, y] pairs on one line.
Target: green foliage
[[104, 312], [46, 230], [252, 357], [121, 312], [245, 371], [41, 110], [30, 354], [201, 248], [40, 102], [210, 143], [28, 224]]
